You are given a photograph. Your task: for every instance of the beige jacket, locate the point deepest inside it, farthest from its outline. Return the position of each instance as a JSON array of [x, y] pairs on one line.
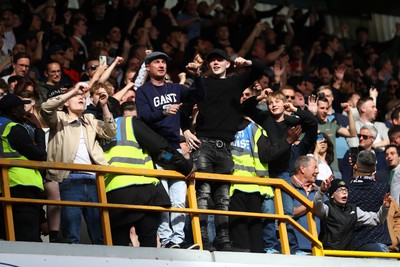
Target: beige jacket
[[393, 221], [65, 133]]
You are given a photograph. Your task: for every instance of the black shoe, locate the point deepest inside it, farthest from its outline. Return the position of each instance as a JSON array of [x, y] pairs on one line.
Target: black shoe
[[229, 247], [208, 246], [58, 239], [170, 245], [189, 246]]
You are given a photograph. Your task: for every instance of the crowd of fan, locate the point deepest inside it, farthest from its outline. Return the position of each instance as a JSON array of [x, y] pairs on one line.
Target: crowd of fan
[[348, 89]]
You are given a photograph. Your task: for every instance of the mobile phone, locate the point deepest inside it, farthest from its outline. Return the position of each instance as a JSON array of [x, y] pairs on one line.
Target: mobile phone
[[353, 153], [320, 137], [102, 60]]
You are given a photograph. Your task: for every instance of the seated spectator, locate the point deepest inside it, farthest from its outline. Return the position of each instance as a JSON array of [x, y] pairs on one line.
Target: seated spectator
[[21, 64], [53, 81]]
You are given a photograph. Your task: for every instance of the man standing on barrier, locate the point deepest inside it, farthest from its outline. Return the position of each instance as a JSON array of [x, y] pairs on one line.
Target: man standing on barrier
[[216, 125]]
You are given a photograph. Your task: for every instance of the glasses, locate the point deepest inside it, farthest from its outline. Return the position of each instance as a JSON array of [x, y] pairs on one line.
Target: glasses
[[23, 66], [290, 96], [93, 67], [363, 136], [342, 190]]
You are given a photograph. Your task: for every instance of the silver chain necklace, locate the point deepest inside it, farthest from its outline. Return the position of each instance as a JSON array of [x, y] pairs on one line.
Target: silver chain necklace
[[155, 90]]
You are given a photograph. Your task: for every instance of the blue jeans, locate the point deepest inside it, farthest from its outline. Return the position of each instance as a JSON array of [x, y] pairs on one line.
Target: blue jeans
[[80, 187], [172, 224], [269, 229], [211, 159], [379, 247]]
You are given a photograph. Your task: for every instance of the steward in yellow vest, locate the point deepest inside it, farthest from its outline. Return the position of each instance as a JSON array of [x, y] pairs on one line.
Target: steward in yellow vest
[[251, 152], [16, 143], [131, 148]]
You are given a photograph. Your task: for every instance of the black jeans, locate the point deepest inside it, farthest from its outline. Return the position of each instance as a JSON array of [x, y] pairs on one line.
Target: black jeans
[[212, 159]]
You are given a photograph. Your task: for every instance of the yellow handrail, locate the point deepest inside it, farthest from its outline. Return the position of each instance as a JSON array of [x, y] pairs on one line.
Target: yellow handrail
[[278, 184]]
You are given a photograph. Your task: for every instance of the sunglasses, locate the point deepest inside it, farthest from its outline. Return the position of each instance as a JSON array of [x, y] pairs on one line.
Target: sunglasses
[[364, 136], [290, 96], [93, 67]]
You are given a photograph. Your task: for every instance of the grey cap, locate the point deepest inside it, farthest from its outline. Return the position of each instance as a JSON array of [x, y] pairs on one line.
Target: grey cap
[[155, 55]]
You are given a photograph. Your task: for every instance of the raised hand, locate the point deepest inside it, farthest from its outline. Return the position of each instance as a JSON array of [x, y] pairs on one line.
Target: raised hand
[[339, 72], [241, 62], [313, 104], [103, 97], [387, 200], [326, 184], [289, 107]]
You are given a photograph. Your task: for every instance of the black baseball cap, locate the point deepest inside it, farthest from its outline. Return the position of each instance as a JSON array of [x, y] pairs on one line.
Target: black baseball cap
[[218, 53], [10, 101], [155, 55]]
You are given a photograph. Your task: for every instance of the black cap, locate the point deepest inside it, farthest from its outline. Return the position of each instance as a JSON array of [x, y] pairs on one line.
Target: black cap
[[335, 184], [10, 101], [218, 53], [155, 55]]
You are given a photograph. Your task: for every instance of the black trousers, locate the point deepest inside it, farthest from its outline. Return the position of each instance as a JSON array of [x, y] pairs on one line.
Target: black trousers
[[145, 223], [26, 217], [146, 229], [246, 232]]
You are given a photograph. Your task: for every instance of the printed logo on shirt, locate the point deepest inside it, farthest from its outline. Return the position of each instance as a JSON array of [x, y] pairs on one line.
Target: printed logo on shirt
[[164, 99]]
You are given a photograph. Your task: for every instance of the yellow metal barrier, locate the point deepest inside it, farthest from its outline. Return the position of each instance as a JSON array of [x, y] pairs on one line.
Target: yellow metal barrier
[[278, 184]]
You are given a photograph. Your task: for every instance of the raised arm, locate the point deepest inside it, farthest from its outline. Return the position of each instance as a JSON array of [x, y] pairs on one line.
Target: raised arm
[[320, 208], [375, 218]]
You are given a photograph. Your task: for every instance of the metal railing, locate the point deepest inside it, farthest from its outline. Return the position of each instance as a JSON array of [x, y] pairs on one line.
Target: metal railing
[[278, 184]]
